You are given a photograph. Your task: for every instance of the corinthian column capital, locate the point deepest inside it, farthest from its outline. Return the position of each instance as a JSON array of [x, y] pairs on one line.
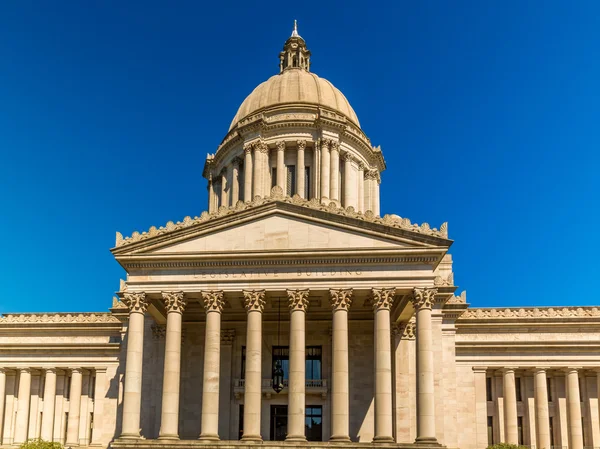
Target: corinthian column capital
[[326, 143], [280, 144], [340, 299], [383, 298], [247, 148], [298, 300], [213, 301], [174, 301], [237, 161], [408, 330], [301, 144], [136, 302], [254, 300], [423, 298]]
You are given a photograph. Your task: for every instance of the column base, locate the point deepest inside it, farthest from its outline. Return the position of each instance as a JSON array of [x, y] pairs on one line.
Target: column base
[[124, 436], [427, 440], [209, 437], [252, 439], [168, 436], [295, 439], [384, 439], [340, 439]]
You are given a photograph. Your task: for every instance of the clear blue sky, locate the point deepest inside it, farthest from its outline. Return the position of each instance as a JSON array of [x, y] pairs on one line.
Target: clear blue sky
[[488, 114]]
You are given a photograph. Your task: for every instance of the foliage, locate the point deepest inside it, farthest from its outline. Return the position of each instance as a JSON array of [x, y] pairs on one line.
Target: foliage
[[41, 444], [506, 446]]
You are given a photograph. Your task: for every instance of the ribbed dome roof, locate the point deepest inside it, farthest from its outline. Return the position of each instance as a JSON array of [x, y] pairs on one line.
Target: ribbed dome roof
[[295, 86]]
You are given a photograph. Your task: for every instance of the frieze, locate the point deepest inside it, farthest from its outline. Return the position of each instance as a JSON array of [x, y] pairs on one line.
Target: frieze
[[531, 313], [277, 195], [91, 318]]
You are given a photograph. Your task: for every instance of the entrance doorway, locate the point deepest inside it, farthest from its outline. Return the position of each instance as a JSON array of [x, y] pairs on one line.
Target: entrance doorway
[[278, 422]]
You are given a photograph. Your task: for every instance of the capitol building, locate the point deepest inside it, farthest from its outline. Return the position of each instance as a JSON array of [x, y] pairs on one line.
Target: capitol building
[[291, 314]]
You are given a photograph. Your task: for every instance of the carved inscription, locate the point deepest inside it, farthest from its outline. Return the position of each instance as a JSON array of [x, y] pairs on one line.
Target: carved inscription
[[270, 273]]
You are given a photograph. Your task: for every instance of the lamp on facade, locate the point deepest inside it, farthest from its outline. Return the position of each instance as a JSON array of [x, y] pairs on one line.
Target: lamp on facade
[[277, 375]]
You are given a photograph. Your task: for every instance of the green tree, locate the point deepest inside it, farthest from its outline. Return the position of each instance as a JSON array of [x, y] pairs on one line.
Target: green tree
[[41, 444], [506, 446]]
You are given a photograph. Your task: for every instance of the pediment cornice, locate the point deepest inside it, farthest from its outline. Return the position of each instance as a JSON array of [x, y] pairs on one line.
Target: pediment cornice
[[388, 225]]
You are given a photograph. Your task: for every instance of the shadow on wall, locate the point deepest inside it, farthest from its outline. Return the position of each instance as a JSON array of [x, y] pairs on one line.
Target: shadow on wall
[[361, 377]]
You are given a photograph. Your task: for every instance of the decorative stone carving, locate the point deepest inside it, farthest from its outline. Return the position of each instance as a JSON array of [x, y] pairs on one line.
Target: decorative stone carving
[[423, 298], [298, 300], [277, 195], [340, 299], [247, 148], [301, 144], [254, 300], [213, 301], [136, 302], [335, 146], [174, 301], [280, 144], [441, 281], [117, 304], [122, 285], [383, 298], [371, 173], [56, 318], [159, 331], [407, 330], [237, 161], [347, 156], [325, 143], [462, 299], [227, 336], [361, 166], [535, 313]]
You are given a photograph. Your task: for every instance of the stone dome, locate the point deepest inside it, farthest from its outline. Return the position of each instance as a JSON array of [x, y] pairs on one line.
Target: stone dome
[[295, 86]]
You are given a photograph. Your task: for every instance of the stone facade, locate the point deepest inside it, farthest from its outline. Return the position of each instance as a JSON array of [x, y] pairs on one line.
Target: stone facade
[[298, 273]]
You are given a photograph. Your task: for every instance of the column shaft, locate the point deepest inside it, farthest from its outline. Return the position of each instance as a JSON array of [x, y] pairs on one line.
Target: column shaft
[[235, 181], [254, 302], [74, 408], [361, 187], [132, 394], [49, 403], [298, 301], [100, 393], [248, 174], [574, 410], [213, 304], [169, 421], [2, 398], [376, 206], [382, 302], [257, 166], [334, 168], [224, 187], [423, 300], [211, 195], [280, 171], [542, 417], [510, 407], [325, 164], [340, 391], [350, 187], [301, 170], [24, 397]]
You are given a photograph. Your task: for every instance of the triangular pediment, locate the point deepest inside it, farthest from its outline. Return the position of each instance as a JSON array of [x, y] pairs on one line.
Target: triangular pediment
[[280, 226]]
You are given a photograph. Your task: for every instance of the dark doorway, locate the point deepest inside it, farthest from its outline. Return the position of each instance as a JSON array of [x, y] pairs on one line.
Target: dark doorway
[[278, 422]]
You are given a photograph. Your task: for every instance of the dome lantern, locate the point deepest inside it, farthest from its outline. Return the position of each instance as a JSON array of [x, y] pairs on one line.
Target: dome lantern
[[295, 55]]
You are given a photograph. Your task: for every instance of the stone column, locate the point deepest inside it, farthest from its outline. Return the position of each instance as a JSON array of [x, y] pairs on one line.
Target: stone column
[[99, 395], [169, 421], [481, 414], [132, 394], [247, 173], [224, 186], [325, 164], [213, 305], [340, 391], [8, 431], [510, 407], [368, 190], [211, 194], [256, 170], [298, 303], [376, 207], [2, 397], [281, 174], [382, 302], [24, 397], [574, 409], [349, 182], [74, 407], [542, 416], [49, 403], [301, 169], [266, 168], [335, 171], [361, 187], [423, 300], [235, 182], [254, 301]]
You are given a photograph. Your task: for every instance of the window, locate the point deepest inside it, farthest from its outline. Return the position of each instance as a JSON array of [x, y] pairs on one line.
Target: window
[[307, 183], [313, 362], [66, 427], [551, 431], [241, 421], [520, 429], [279, 422], [549, 388], [490, 430], [314, 423], [291, 180], [488, 389], [273, 177], [68, 388], [518, 388], [580, 390], [91, 429], [282, 353], [243, 373], [92, 387]]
